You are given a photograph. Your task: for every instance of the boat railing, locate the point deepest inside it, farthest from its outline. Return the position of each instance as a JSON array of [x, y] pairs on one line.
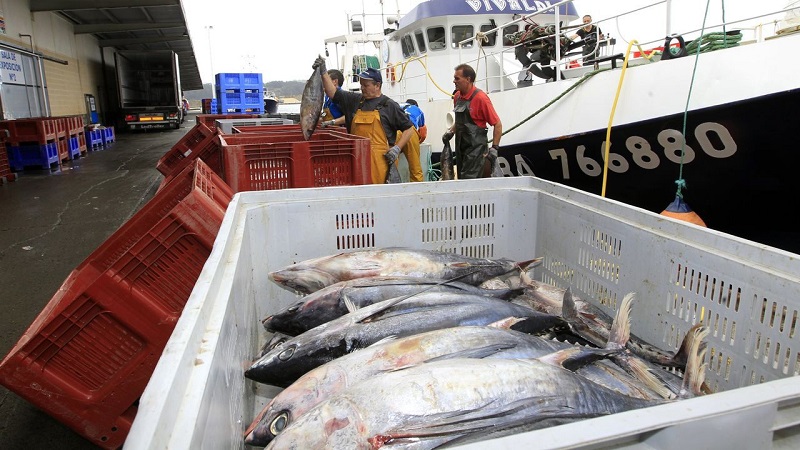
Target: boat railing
[[572, 59]]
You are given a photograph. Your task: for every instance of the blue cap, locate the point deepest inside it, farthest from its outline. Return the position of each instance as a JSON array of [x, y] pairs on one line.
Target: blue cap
[[371, 74]]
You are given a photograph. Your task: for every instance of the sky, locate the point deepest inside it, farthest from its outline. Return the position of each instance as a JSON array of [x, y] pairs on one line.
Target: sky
[[280, 38]]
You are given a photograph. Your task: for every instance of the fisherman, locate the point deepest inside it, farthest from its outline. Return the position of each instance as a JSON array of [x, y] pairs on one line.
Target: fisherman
[[331, 114], [473, 110], [590, 35], [536, 49], [411, 150], [372, 115]]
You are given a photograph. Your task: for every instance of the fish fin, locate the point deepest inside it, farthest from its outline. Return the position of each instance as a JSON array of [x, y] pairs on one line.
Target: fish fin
[[621, 326], [486, 416], [681, 358], [695, 373], [568, 309], [574, 358], [474, 353], [642, 372], [506, 323], [525, 266], [351, 307]]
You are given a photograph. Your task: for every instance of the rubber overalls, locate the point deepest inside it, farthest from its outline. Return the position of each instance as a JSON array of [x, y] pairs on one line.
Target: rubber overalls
[[471, 142], [412, 151], [368, 124]]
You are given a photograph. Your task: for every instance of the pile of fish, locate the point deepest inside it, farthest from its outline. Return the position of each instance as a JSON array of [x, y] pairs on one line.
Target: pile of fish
[[411, 349]]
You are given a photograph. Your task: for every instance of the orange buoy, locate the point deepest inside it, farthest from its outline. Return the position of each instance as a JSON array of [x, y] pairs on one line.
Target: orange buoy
[[678, 209]]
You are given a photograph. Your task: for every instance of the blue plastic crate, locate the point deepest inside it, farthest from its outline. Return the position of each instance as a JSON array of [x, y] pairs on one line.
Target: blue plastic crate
[[230, 99], [108, 136], [74, 147], [239, 82], [253, 99], [32, 154], [95, 139]]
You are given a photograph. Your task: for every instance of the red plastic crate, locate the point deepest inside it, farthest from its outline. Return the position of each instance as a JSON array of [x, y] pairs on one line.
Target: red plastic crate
[[268, 129], [180, 155], [284, 160], [210, 120], [36, 129], [89, 354]]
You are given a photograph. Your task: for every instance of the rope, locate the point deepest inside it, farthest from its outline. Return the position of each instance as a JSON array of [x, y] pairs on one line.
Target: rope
[[713, 41], [680, 182]]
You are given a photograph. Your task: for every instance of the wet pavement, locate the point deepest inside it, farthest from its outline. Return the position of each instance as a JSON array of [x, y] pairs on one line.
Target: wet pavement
[[49, 223]]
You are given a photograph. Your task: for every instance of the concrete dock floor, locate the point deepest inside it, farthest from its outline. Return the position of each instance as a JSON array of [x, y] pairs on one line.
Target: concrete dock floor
[[49, 223]]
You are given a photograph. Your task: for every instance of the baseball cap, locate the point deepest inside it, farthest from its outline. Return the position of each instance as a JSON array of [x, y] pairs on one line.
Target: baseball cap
[[371, 74]]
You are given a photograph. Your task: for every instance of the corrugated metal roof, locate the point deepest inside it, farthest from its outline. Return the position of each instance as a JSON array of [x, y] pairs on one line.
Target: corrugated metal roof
[[133, 25]]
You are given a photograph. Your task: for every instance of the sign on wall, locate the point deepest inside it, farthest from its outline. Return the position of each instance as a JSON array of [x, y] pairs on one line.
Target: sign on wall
[[11, 68]]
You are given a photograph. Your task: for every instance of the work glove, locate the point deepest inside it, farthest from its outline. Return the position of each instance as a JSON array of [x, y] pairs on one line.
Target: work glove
[[391, 155], [492, 154], [319, 62], [447, 136], [328, 123]]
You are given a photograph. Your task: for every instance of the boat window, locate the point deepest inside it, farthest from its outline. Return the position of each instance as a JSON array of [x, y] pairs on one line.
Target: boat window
[[492, 38], [511, 29], [461, 32], [407, 44], [436, 38], [420, 41]]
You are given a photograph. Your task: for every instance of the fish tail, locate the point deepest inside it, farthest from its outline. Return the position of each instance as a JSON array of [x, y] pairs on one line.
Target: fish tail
[[621, 326], [695, 374]]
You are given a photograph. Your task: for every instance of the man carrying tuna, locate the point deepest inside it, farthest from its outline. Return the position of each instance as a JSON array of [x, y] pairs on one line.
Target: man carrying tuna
[[372, 115]]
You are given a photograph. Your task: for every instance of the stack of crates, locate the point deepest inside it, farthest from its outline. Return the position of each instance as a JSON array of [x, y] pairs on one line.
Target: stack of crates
[[32, 142], [71, 137], [209, 106], [240, 93], [87, 357]]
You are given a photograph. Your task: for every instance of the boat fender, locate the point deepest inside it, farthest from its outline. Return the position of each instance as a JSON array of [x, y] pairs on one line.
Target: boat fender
[[678, 209], [681, 50]]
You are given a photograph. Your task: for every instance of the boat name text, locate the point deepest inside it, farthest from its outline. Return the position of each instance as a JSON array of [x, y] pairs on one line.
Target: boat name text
[[508, 5], [713, 138]]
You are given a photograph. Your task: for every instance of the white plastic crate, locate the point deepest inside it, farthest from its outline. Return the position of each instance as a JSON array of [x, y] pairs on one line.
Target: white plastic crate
[[226, 126], [748, 294]]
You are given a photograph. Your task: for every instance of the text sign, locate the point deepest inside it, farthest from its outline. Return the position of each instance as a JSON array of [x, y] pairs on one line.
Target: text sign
[[11, 68]]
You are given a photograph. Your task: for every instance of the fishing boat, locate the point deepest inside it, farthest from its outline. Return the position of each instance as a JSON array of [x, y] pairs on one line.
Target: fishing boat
[[713, 127], [270, 102]]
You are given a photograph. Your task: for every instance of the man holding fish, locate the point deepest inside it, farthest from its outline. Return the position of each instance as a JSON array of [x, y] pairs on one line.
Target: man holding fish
[[372, 115]]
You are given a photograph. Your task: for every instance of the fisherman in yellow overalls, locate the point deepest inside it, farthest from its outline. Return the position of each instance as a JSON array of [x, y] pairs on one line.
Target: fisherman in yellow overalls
[[372, 115]]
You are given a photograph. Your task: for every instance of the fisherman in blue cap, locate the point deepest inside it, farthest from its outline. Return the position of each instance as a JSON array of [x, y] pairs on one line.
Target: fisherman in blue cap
[[372, 115]]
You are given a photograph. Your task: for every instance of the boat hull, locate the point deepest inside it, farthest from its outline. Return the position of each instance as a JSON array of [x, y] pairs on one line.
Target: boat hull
[[739, 165]]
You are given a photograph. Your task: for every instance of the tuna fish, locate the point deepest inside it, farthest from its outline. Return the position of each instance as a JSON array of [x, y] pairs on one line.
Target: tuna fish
[[446, 162], [455, 401], [314, 274], [311, 103], [394, 317], [452, 399], [590, 322], [393, 174], [332, 302]]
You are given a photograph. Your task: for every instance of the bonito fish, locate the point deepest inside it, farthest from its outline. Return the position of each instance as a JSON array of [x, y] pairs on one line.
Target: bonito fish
[[314, 274], [394, 317], [311, 103], [332, 302]]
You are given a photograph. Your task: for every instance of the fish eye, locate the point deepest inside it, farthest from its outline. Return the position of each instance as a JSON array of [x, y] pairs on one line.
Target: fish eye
[[279, 423], [286, 354]]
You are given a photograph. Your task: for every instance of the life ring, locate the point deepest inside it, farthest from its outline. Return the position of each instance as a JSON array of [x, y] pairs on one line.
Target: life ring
[[391, 74]]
